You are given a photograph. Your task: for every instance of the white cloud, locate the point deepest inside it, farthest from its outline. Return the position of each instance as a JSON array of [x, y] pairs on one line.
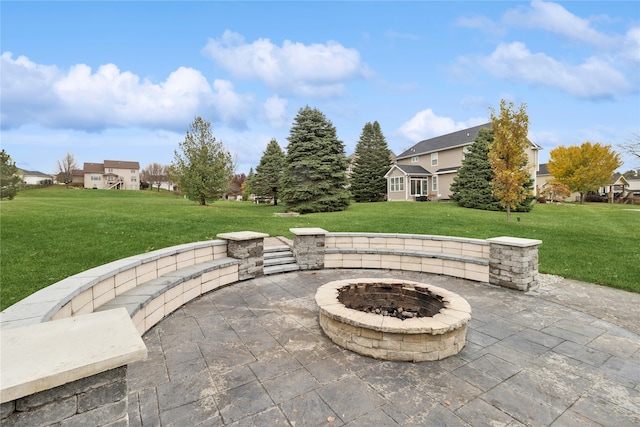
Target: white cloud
[[274, 111], [555, 18], [426, 124], [594, 78], [295, 68], [109, 97], [481, 23]]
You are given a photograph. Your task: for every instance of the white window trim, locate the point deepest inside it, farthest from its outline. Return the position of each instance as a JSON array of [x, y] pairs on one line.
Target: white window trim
[[434, 184], [434, 159], [415, 159], [396, 184]]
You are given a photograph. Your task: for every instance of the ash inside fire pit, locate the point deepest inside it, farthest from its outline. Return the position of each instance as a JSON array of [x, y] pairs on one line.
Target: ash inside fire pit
[[402, 302]]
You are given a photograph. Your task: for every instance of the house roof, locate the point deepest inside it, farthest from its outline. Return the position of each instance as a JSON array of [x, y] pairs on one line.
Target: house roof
[[448, 170], [410, 170], [543, 169], [451, 140], [120, 164], [34, 173], [93, 168]]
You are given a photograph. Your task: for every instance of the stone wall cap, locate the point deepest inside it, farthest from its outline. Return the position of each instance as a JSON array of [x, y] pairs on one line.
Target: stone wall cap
[[242, 235], [308, 231], [514, 241], [50, 354]]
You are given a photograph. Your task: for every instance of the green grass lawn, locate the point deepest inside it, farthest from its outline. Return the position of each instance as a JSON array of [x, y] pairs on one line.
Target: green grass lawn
[[49, 234]]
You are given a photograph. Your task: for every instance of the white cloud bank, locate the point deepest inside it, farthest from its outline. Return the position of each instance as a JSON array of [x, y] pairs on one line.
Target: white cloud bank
[[108, 97], [426, 124], [609, 70], [293, 68]]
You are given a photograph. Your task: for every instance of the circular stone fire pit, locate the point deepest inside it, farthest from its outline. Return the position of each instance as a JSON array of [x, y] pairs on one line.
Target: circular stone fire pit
[[435, 328]]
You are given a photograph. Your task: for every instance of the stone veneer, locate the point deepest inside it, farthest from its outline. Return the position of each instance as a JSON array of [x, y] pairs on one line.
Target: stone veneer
[[248, 247], [308, 247], [513, 262]]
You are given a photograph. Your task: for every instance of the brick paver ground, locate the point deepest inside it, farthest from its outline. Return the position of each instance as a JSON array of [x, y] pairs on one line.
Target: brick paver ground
[[253, 354]]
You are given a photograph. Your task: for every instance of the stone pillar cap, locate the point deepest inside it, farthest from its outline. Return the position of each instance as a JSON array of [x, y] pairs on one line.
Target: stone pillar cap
[[242, 235], [514, 241], [46, 355], [308, 231]]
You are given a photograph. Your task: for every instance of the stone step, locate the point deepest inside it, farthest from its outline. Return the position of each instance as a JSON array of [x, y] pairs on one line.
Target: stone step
[[281, 268], [271, 249], [268, 262], [274, 255]]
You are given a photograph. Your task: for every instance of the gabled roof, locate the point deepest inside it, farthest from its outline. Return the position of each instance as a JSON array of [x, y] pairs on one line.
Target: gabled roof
[[34, 173], [93, 168], [410, 170], [543, 169], [451, 140], [119, 164]]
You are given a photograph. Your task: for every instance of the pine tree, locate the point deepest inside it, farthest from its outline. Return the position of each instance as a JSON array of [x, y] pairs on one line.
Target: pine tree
[[204, 167], [315, 167], [267, 180], [368, 183], [9, 176], [472, 186]]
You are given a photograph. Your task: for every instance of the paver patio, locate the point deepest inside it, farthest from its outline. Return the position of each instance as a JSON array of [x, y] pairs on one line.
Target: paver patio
[[253, 354]]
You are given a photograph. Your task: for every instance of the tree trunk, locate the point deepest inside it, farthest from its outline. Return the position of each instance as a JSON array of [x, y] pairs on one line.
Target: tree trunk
[[203, 200], [508, 213], [581, 198]]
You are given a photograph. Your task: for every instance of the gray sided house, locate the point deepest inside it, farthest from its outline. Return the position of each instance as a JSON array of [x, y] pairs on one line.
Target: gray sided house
[[427, 169]]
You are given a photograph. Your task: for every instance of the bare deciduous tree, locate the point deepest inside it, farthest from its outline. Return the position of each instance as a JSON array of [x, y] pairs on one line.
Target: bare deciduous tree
[[66, 166]]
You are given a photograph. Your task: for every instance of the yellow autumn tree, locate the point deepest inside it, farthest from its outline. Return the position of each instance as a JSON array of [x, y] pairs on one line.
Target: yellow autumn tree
[[583, 168], [508, 156]]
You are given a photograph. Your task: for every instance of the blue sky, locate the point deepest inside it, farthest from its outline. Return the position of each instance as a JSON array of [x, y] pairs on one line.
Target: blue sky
[[123, 80]]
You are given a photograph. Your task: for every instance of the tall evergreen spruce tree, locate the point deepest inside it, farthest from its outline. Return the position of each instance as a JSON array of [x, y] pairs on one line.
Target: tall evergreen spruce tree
[[315, 167], [368, 183], [472, 186], [267, 180]]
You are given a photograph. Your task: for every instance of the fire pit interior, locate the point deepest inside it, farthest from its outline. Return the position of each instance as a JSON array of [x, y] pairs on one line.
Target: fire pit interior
[[389, 299], [394, 319]]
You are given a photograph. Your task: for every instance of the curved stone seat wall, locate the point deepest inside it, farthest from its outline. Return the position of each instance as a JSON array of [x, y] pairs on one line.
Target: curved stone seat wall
[[451, 256], [85, 292]]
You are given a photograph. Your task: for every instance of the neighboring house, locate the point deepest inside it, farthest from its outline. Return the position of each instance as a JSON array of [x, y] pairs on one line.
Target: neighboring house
[[112, 174], [543, 179], [427, 169], [34, 177]]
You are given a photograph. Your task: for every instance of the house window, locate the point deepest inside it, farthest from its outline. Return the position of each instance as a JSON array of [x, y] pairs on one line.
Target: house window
[[415, 159], [134, 179], [133, 171], [418, 187], [434, 159], [434, 184], [465, 150], [397, 183], [95, 177], [110, 170]]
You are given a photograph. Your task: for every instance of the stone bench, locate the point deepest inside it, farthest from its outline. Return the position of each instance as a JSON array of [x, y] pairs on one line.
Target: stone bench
[[89, 290], [150, 302], [463, 266]]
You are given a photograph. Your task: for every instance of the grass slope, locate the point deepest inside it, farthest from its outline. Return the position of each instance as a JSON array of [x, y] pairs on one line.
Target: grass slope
[[49, 234]]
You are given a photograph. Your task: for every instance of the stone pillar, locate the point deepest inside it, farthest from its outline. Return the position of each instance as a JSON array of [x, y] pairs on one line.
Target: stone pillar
[[69, 372], [513, 262], [248, 247], [308, 247]]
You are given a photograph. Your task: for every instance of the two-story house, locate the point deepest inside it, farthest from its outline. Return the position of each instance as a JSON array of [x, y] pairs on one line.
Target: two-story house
[[112, 174], [427, 169]]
